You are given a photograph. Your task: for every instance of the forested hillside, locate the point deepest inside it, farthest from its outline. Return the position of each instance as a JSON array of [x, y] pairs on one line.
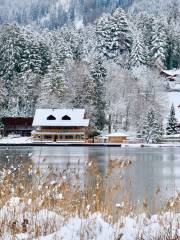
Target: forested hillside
[[110, 67], [55, 13]]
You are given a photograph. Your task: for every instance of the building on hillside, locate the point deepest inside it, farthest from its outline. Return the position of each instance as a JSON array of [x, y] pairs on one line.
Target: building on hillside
[[17, 126], [60, 125], [171, 75], [116, 137]]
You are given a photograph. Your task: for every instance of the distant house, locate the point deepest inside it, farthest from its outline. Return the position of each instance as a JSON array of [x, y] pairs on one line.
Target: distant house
[[60, 125], [17, 125], [116, 137], [171, 75]]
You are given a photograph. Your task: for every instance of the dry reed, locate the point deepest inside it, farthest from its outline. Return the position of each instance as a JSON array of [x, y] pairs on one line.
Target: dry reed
[[27, 191]]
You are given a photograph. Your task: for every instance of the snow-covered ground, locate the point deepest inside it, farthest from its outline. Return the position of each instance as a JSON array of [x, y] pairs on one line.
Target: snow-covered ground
[[129, 228], [28, 140], [18, 140], [93, 227]]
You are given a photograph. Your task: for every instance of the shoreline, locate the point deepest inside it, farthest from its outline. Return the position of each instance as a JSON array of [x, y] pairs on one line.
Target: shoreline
[[123, 145]]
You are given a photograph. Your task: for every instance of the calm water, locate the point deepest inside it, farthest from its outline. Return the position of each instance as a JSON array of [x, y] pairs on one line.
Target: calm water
[[151, 167]]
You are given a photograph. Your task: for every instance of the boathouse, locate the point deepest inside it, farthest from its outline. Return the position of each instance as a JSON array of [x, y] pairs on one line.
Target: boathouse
[[60, 125], [116, 137], [21, 126]]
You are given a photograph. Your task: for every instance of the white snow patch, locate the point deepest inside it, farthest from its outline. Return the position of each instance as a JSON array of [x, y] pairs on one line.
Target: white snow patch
[[117, 134], [129, 228], [18, 140]]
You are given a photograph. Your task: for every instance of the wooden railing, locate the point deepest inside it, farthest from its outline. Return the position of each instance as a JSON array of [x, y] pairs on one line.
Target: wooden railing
[[60, 130], [58, 140]]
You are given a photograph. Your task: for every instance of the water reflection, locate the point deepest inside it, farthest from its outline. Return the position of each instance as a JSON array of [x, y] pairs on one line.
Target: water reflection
[[150, 168]]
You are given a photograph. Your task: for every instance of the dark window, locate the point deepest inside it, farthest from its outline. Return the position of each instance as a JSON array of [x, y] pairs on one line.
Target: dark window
[[51, 117], [66, 118], [48, 137]]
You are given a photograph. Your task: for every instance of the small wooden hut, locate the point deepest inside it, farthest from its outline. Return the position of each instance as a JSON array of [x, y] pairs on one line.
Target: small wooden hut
[[116, 137]]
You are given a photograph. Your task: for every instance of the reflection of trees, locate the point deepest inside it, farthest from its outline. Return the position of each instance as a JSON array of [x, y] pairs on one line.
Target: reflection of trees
[[98, 171]]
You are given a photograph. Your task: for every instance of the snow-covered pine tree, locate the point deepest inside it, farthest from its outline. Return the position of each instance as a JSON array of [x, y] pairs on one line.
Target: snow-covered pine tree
[[148, 127], [83, 88], [104, 36], [46, 97], [10, 52], [152, 128], [53, 85], [35, 54], [144, 22], [121, 32], [172, 122], [158, 130], [28, 92], [159, 42], [3, 96], [113, 34], [98, 74], [61, 44], [139, 52]]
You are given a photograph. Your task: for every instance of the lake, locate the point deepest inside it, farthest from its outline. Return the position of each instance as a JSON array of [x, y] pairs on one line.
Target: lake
[[151, 168]]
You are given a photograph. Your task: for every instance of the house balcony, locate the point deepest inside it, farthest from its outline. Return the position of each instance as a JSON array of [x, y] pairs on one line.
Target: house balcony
[[72, 130]]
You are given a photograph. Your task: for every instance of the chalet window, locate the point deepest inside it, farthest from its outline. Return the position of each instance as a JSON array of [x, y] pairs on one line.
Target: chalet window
[[51, 117], [66, 117]]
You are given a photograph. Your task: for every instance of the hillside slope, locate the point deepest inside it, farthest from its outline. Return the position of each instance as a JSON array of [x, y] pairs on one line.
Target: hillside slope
[[54, 13]]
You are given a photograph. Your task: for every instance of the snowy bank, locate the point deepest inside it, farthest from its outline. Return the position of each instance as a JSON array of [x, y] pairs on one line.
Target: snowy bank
[[96, 227]]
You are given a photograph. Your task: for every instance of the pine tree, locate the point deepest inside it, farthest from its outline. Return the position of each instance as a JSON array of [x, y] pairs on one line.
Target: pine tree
[[113, 34], [144, 22], [30, 84], [98, 74], [139, 55], [158, 131], [121, 32], [159, 42], [152, 127], [10, 52], [53, 85], [3, 96], [172, 122], [84, 89], [105, 36]]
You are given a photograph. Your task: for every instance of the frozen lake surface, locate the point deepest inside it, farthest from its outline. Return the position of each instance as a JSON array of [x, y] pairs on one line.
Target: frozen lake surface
[[151, 168]]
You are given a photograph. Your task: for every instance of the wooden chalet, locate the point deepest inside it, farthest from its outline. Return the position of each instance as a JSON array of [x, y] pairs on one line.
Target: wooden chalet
[[17, 125], [60, 125]]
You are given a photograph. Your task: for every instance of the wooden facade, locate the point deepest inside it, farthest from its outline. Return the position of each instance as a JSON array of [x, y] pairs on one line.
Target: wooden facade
[[17, 125], [116, 137], [61, 134]]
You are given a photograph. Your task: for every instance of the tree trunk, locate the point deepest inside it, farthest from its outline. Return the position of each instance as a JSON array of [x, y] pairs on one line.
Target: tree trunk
[[109, 124]]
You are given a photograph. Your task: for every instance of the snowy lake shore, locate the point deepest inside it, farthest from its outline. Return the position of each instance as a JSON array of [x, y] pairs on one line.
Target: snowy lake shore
[[27, 141], [97, 226]]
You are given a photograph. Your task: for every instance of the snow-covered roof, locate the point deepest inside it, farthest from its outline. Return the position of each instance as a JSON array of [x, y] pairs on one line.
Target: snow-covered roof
[[117, 134], [75, 118], [173, 72]]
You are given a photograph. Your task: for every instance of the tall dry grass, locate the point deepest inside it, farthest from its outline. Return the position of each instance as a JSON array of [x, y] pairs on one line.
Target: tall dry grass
[[26, 192]]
